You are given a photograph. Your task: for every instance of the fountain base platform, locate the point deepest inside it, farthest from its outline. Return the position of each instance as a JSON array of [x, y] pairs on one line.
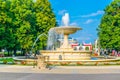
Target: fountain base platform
[[67, 55], [65, 49]]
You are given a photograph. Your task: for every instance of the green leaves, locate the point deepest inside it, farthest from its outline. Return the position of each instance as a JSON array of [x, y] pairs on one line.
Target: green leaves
[[22, 21], [109, 28]]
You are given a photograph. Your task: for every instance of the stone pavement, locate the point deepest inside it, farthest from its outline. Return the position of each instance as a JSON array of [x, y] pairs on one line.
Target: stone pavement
[[62, 69], [46, 76]]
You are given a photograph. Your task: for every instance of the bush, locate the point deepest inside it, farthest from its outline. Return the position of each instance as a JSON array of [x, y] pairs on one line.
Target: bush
[[79, 63], [64, 63], [4, 61], [7, 60], [23, 62]]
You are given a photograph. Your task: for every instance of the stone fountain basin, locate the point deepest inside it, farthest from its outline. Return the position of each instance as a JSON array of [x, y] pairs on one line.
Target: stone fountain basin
[[67, 29], [66, 55], [104, 61]]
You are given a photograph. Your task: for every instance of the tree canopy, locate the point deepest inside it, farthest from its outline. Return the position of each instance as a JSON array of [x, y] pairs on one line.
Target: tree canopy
[[109, 28], [22, 21]]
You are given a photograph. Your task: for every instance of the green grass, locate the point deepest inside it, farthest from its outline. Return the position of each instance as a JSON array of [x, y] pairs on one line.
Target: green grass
[[6, 60]]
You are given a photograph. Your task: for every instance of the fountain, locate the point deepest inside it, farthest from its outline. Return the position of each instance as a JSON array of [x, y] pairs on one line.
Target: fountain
[[65, 51], [65, 54]]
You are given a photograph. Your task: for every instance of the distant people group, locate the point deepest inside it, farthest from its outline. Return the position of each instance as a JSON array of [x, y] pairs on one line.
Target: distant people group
[[115, 53], [110, 52]]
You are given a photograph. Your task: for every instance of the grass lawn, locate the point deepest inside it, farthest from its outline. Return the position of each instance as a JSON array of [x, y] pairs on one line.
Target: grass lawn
[[5, 60]]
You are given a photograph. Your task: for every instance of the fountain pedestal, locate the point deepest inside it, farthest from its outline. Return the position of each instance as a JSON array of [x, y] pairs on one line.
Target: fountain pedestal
[[65, 46], [66, 31], [65, 43]]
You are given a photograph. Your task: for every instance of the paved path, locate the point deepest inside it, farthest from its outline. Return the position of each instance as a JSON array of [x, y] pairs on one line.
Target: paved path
[[14, 72], [40, 76], [61, 69]]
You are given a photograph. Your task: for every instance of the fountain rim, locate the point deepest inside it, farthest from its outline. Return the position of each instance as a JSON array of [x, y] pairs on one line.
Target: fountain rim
[[67, 27], [100, 60]]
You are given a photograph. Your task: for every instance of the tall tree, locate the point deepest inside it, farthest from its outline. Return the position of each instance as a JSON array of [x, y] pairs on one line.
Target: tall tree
[[7, 34], [22, 21], [109, 28], [45, 19]]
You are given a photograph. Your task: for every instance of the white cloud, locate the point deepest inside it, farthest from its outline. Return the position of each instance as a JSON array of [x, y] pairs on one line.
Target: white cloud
[[73, 24], [94, 14], [61, 12], [89, 21], [99, 12]]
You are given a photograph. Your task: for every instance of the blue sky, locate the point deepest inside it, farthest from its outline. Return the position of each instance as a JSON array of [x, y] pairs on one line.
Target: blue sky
[[83, 13]]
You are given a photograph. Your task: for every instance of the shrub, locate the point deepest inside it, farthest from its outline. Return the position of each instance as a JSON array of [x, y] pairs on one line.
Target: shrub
[[64, 63], [23, 62], [50, 63], [7, 60], [79, 63], [4, 61]]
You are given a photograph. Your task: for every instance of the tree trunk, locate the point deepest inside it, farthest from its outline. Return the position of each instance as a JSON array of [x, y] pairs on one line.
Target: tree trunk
[[23, 52], [14, 52], [8, 53]]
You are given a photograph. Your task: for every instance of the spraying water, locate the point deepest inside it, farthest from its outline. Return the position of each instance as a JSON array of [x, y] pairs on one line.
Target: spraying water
[[38, 38], [52, 39], [65, 19]]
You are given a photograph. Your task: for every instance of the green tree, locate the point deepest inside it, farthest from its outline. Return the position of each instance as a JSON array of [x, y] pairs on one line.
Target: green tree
[[8, 38], [109, 28], [45, 19], [22, 21]]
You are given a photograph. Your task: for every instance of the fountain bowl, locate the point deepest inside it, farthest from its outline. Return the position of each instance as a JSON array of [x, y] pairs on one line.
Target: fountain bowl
[[67, 29]]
